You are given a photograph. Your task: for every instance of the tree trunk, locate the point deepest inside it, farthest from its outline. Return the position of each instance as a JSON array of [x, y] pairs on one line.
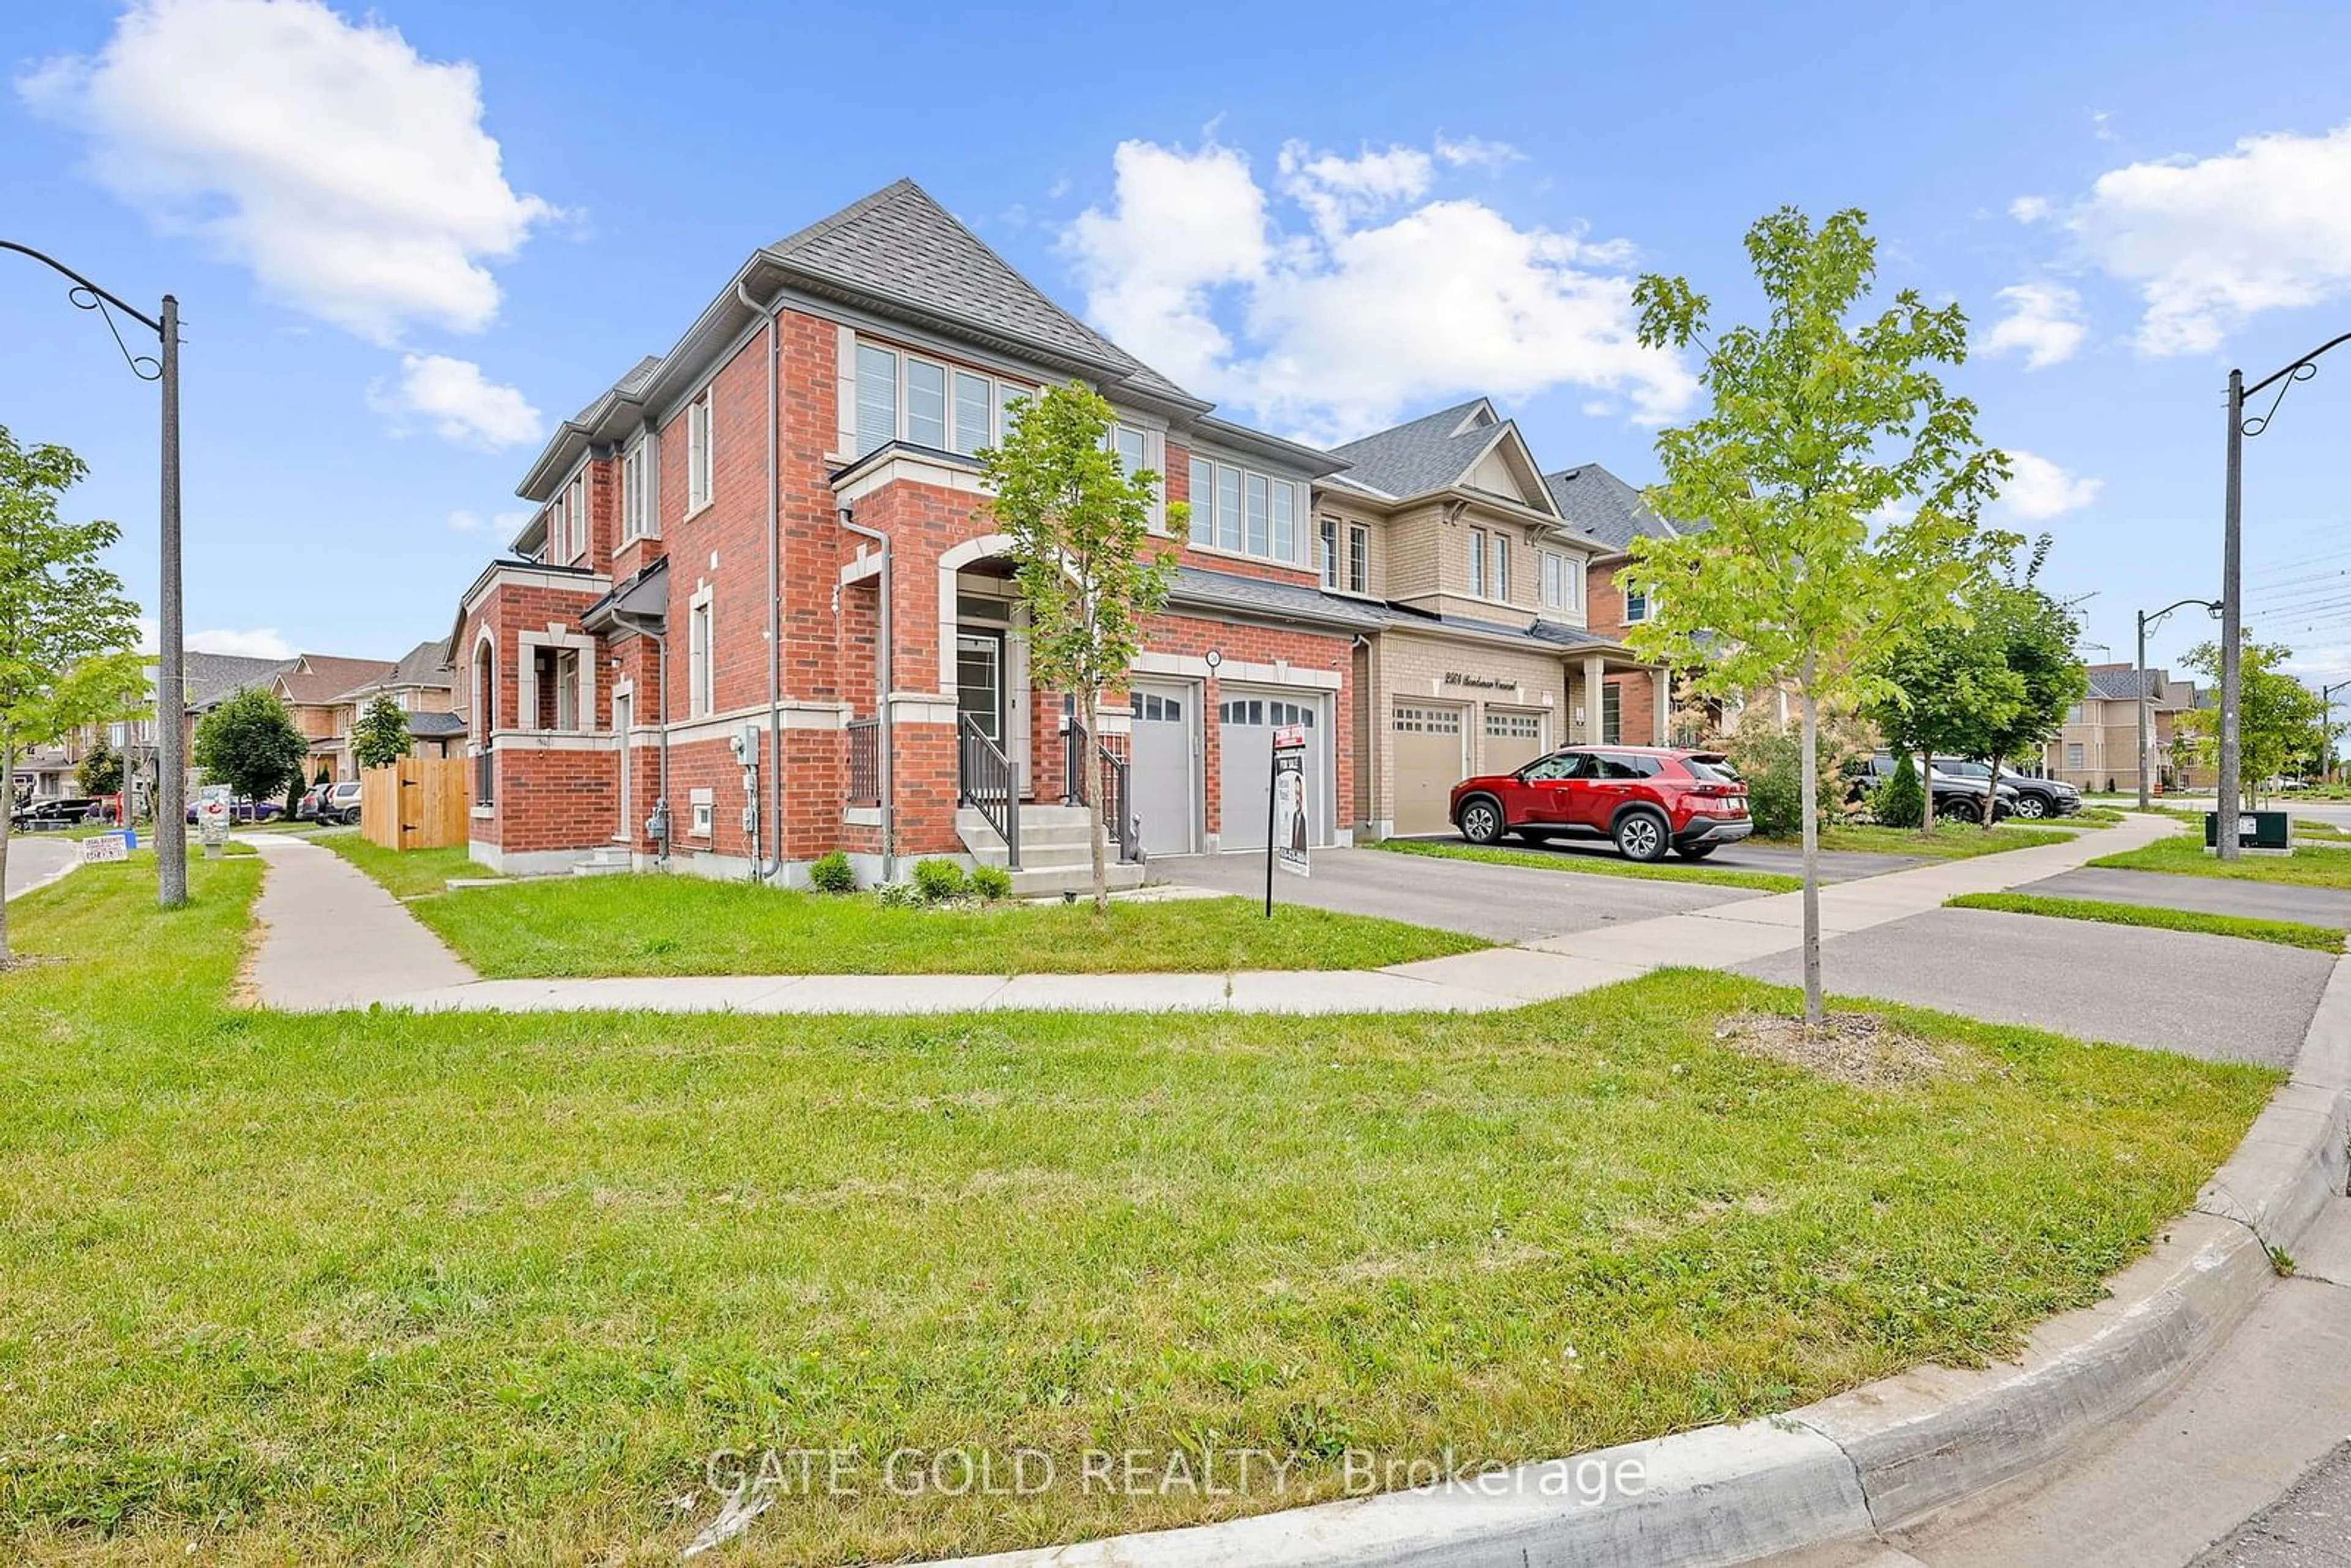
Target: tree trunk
[[1927, 782], [7, 804], [1093, 797], [1991, 795], [1813, 1011]]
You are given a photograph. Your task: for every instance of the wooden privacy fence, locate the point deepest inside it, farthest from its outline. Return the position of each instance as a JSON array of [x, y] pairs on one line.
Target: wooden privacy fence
[[417, 803]]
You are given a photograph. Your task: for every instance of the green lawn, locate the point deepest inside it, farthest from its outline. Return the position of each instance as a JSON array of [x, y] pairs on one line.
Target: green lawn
[[1597, 861], [1949, 842], [2184, 853], [407, 873], [476, 1288], [689, 925], [2286, 933]]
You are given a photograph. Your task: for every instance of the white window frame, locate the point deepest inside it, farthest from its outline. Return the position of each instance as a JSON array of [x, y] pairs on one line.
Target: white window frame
[[1326, 549], [1358, 582], [701, 452], [640, 514], [988, 398], [1499, 576], [1551, 579], [1213, 529], [993, 429], [1476, 563], [1154, 445], [700, 665], [1646, 608]]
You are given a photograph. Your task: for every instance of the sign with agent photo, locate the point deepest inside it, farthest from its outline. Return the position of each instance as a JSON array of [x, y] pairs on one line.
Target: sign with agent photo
[[1289, 824]]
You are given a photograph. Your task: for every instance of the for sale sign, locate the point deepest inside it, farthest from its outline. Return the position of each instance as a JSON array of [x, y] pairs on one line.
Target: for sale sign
[[212, 815], [105, 847], [1289, 824]]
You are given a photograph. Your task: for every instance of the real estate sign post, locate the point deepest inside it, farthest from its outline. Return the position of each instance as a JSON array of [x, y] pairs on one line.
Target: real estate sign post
[[1285, 809]]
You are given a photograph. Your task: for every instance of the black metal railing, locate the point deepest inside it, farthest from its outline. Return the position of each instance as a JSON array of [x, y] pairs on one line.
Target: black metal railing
[[486, 776], [865, 762], [991, 786], [1088, 764]]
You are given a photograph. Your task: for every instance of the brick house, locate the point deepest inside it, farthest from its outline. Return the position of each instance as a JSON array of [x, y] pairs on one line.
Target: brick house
[[419, 682], [2097, 748]]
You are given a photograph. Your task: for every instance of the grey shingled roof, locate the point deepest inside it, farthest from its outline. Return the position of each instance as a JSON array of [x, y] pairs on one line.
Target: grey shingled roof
[[436, 725], [1421, 454], [1600, 507], [900, 244], [420, 666], [211, 678], [627, 386], [2121, 682], [1232, 592]]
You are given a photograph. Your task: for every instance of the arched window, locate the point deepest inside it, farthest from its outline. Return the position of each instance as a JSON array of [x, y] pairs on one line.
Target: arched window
[[484, 719]]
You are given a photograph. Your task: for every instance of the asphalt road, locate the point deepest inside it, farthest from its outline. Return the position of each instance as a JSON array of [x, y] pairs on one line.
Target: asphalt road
[[1501, 903], [2310, 1527], [2213, 894], [1837, 865], [2215, 996], [33, 859]]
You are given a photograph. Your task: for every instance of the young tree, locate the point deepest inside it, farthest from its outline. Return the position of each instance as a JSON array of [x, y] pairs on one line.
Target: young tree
[[2278, 719], [380, 738], [251, 744], [2035, 637], [100, 770], [1947, 693], [1079, 524], [1825, 427], [68, 635]]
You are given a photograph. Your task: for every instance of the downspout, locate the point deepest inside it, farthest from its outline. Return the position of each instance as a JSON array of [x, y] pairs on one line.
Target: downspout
[[765, 869], [661, 673], [882, 662]]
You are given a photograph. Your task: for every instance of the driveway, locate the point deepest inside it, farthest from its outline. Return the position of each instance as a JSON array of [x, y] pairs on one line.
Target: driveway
[[1837, 865], [1499, 903], [2215, 996], [34, 860], [2212, 894]]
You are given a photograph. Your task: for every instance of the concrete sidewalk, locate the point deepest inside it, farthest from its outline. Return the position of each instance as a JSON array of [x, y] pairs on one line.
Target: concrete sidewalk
[[332, 938]]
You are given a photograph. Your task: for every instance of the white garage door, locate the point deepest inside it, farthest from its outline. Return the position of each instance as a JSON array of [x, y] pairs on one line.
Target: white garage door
[[1246, 722], [1513, 738], [1428, 749], [1165, 770]]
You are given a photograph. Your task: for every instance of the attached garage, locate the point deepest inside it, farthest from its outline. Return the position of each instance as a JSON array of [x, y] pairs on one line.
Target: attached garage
[[1167, 767], [1245, 721], [1514, 738], [1429, 761]]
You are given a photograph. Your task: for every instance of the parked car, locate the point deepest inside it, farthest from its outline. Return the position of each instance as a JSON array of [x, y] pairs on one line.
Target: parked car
[[306, 809], [246, 809], [342, 804], [1647, 798], [46, 816], [2034, 797], [1956, 798]]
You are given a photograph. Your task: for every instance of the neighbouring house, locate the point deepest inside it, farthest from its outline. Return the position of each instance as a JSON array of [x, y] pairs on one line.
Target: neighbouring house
[[315, 688], [2097, 748], [421, 683], [206, 680], [46, 772], [770, 546], [1475, 656]]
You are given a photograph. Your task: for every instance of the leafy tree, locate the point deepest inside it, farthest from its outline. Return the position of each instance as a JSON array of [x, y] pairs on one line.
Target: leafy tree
[[68, 634], [1901, 801], [1947, 691], [100, 772], [1079, 524], [380, 738], [2035, 637], [1841, 482], [2280, 721], [251, 744], [1771, 762]]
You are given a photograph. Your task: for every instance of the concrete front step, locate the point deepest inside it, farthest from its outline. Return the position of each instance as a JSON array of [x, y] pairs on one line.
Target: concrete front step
[[1045, 881], [612, 860]]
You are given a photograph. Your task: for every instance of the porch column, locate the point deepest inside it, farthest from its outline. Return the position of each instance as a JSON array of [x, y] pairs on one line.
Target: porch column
[[1661, 698], [1595, 679]]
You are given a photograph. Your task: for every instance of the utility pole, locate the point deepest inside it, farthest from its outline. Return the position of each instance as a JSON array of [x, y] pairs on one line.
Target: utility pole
[[2138, 672], [2326, 734], [2224, 838], [170, 695]]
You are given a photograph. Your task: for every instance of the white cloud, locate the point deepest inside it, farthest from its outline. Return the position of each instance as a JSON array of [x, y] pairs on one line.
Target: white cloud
[[501, 525], [348, 174], [1477, 152], [2209, 242], [2043, 323], [263, 643], [2038, 489], [1389, 296], [462, 404], [2029, 209]]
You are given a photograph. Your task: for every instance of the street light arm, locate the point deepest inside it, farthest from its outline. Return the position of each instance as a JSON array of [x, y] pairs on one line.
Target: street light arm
[[2302, 370], [89, 296]]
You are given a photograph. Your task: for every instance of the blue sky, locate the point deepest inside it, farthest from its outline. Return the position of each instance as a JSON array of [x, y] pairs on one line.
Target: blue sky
[[407, 240]]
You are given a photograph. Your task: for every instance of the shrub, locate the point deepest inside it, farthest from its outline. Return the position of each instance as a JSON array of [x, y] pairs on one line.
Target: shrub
[[991, 883], [1900, 801], [899, 895], [832, 874], [1772, 760], [940, 880]]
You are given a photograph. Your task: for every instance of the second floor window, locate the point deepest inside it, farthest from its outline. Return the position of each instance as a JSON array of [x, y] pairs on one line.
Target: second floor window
[[575, 523], [1501, 586], [638, 519], [698, 657], [1636, 606], [1477, 562], [1327, 548], [944, 409], [697, 454], [1554, 580], [1359, 558], [1243, 513]]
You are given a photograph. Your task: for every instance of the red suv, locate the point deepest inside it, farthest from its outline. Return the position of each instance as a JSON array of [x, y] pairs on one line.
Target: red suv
[[1648, 799]]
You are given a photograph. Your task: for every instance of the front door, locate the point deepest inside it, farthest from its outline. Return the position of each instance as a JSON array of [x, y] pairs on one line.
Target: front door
[[624, 706], [979, 682]]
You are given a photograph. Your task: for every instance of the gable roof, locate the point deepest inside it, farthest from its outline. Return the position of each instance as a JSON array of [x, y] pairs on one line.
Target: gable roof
[[1431, 453], [322, 677], [427, 664], [1600, 507], [209, 679], [902, 246]]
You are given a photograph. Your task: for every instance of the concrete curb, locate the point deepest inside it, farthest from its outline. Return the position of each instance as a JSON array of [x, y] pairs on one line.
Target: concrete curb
[[1876, 1458]]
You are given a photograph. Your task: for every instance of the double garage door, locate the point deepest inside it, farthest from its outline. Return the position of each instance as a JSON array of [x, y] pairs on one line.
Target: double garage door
[[1431, 755], [1168, 777]]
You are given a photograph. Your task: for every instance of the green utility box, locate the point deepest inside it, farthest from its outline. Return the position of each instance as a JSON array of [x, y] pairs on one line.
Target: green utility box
[[2263, 833]]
